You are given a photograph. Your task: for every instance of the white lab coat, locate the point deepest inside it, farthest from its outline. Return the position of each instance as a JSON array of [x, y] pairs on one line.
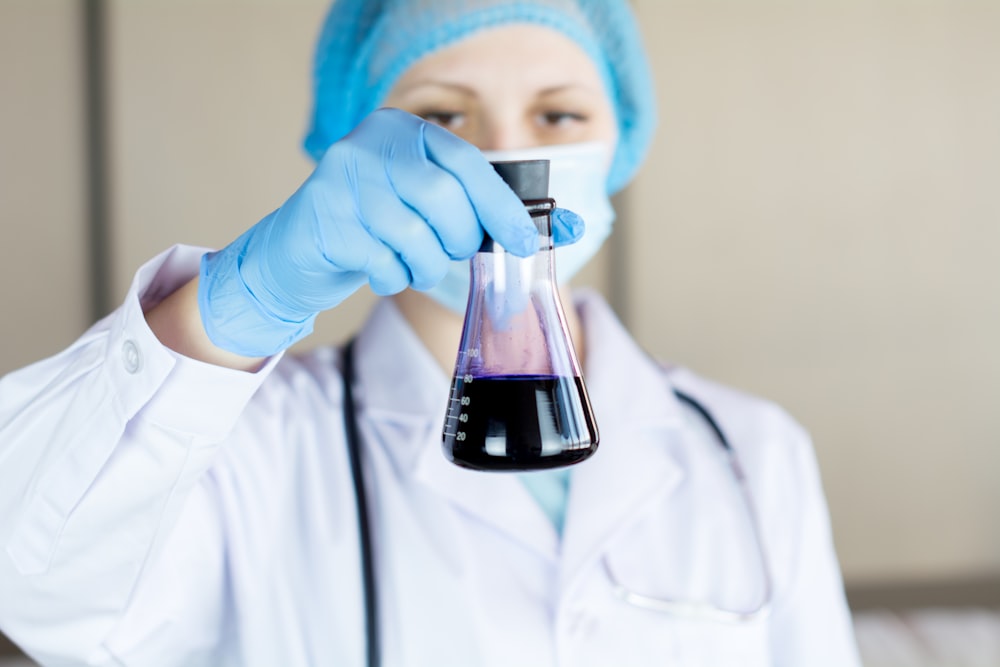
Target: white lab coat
[[159, 511]]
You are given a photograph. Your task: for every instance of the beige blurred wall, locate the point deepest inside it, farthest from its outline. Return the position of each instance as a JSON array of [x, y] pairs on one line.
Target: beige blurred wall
[[820, 223], [817, 223], [44, 301]]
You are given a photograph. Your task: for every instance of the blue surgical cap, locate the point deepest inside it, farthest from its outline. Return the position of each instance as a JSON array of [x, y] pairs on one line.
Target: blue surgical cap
[[366, 45]]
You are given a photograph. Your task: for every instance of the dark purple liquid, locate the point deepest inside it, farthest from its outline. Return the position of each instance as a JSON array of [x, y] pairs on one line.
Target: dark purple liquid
[[519, 422]]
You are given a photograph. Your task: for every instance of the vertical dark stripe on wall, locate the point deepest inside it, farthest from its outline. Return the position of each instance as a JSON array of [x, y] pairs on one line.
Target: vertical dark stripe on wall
[[95, 108], [618, 287]]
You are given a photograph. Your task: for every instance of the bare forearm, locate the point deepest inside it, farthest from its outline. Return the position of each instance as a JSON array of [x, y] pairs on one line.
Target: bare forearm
[[176, 322]]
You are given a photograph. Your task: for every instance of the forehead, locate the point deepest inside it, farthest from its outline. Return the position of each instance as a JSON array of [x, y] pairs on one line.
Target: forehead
[[531, 56]]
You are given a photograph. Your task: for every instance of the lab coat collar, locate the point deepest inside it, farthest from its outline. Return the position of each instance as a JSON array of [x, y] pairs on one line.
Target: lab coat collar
[[641, 425], [404, 394], [399, 378], [627, 386]]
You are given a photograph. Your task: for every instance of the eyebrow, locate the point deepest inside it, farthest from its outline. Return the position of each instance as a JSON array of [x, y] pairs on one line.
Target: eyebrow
[[457, 87], [470, 92]]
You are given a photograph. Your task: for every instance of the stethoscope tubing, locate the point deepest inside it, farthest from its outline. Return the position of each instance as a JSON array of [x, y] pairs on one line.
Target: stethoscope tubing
[[373, 642]]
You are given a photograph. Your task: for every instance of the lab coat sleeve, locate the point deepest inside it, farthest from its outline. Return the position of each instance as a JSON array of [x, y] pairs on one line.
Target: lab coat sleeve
[[100, 446], [810, 622]]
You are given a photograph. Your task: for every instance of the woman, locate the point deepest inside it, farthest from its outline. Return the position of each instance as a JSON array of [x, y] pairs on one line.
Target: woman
[[176, 491]]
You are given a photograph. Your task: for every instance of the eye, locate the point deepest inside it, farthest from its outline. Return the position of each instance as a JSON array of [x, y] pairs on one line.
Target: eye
[[560, 119], [450, 120]]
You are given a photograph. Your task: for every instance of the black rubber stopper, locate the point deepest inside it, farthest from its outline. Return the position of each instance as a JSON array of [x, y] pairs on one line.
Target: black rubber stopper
[[529, 179]]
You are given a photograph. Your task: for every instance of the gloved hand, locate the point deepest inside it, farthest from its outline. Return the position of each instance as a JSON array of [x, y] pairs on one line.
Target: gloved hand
[[392, 204]]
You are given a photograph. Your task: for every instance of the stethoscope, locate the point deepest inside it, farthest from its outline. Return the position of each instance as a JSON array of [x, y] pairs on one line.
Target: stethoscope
[[690, 609]]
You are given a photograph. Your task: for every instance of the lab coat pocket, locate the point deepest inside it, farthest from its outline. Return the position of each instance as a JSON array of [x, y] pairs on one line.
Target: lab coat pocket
[[687, 619], [692, 567], [672, 635], [701, 643]]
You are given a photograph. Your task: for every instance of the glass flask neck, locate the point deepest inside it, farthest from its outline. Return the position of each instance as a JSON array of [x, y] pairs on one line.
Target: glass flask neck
[[540, 211]]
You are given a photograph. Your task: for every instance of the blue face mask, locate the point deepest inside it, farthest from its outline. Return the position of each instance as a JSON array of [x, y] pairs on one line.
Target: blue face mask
[[578, 175]]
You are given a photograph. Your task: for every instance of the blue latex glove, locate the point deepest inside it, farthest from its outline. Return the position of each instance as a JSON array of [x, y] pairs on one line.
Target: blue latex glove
[[390, 204]]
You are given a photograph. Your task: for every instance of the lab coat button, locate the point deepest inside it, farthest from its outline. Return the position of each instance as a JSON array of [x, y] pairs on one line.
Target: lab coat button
[[131, 357]]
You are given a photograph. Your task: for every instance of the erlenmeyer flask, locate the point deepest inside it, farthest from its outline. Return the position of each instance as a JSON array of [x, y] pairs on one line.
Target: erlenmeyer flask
[[518, 400]]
